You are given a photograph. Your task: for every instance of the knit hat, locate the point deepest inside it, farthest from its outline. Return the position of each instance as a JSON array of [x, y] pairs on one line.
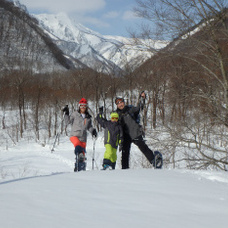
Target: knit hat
[[83, 101], [114, 115]]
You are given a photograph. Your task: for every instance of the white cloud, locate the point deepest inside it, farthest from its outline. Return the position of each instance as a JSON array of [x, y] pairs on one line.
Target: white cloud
[[129, 15], [92, 21], [111, 14], [55, 6]]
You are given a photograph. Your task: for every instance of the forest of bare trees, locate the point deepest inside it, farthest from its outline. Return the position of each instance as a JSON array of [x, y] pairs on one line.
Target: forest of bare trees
[[24, 45], [189, 78]]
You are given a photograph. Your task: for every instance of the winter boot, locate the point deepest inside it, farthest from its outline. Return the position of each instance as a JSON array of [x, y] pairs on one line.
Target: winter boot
[[107, 164], [106, 167]]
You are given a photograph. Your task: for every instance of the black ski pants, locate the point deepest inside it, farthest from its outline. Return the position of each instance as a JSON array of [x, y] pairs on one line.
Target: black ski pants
[[140, 143]]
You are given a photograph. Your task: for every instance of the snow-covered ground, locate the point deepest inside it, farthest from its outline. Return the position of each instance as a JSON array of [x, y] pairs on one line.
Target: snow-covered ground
[[39, 189]]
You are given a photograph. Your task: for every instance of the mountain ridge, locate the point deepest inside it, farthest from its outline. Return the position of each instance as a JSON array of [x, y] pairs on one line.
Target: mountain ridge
[[54, 42], [108, 52], [24, 45]]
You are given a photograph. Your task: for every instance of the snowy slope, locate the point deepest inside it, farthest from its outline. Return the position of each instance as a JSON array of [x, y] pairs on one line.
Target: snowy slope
[[25, 46], [39, 189], [93, 49]]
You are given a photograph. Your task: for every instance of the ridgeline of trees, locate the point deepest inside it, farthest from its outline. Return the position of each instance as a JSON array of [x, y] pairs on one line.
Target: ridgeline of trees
[[188, 79], [24, 45]]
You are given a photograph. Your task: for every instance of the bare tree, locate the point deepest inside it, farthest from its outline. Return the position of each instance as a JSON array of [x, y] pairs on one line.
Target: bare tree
[[195, 66]]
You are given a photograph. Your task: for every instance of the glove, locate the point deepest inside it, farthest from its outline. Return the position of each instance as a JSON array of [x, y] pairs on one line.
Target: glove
[[101, 110], [120, 147], [94, 133], [66, 113], [66, 110]]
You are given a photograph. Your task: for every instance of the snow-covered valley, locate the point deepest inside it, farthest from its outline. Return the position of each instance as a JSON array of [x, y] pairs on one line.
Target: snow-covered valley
[[39, 189]]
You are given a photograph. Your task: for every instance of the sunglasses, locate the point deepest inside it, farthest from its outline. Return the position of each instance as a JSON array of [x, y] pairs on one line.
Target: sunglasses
[[83, 106], [119, 101], [114, 118]]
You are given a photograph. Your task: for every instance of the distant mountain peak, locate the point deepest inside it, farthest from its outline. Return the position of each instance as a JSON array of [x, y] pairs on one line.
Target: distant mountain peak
[[60, 39], [102, 53]]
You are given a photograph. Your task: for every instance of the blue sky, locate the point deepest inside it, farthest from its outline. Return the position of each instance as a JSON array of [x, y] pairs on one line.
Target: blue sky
[[108, 17]]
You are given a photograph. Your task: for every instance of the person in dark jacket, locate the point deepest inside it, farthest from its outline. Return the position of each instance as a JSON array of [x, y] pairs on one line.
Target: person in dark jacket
[[132, 131], [66, 114], [113, 136]]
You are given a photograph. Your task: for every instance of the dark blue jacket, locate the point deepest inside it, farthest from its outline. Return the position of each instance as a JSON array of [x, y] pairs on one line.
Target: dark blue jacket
[[113, 134]]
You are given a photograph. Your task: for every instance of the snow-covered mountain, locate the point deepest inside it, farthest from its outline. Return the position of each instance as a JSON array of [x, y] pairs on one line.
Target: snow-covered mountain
[[102, 53], [46, 43]]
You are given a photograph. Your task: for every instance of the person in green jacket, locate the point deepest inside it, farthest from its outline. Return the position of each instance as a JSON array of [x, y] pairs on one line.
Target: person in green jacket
[[113, 136]]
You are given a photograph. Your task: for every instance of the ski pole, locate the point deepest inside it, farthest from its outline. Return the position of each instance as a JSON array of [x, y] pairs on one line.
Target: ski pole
[[93, 160], [58, 133], [93, 157]]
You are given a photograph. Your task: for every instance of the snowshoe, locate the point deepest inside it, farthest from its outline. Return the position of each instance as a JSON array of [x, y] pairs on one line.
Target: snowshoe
[[80, 163], [158, 160]]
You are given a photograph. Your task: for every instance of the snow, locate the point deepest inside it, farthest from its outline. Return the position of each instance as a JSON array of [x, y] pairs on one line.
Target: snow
[[85, 44], [39, 189]]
